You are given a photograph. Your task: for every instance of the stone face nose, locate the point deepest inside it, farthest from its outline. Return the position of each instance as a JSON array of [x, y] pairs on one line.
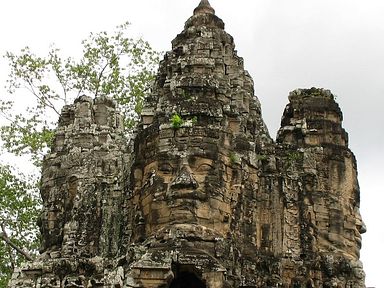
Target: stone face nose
[[362, 228], [184, 180], [360, 225]]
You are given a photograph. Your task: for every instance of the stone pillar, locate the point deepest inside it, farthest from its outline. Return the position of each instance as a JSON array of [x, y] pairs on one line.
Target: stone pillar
[[316, 159], [83, 192]]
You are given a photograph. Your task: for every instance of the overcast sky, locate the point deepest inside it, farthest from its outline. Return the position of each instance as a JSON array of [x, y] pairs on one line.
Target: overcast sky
[[286, 44]]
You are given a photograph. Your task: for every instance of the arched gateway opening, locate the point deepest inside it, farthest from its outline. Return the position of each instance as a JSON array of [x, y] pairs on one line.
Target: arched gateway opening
[[187, 280]]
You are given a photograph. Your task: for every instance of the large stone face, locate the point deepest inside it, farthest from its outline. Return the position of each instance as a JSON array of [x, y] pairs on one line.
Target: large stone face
[[188, 174], [206, 198]]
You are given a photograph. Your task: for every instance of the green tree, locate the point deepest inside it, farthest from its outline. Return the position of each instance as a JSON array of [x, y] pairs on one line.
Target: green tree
[[112, 64], [19, 205]]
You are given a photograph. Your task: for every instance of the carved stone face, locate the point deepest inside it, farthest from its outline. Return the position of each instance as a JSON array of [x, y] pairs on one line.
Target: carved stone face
[[354, 225], [345, 224], [360, 226], [353, 228], [184, 186]]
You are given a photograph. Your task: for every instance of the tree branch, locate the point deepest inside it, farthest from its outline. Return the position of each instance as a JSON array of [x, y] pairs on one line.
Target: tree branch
[[42, 99], [63, 86], [8, 241], [99, 77], [13, 264]]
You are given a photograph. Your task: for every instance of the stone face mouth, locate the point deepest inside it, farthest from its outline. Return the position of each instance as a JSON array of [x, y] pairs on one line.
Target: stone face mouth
[[187, 194], [358, 242]]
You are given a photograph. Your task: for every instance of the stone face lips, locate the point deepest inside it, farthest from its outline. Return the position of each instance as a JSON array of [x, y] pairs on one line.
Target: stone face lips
[[204, 197]]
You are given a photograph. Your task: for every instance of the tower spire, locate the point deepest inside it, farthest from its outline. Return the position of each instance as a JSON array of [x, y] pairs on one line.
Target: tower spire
[[204, 8]]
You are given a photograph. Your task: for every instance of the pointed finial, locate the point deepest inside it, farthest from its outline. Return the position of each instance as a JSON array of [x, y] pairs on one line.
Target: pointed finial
[[204, 8]]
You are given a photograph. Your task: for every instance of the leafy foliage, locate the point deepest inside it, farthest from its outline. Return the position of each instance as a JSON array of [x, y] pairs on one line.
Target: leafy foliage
[[176, 121], [19, 207], [112, 64]]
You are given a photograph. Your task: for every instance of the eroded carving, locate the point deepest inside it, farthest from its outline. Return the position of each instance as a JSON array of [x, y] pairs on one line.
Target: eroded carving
[[206, 197]]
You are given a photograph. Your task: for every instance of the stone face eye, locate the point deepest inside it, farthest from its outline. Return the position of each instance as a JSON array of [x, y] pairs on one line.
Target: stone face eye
[[204, 168], [166, 168]]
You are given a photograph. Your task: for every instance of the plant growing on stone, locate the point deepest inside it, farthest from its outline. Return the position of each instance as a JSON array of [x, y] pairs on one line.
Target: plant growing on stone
[[234, 158], [262, 157], [176, 121], [292, 158], [112, 64]]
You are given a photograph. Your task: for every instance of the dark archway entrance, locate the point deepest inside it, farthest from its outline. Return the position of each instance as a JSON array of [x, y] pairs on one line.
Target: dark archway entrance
[[187, 280]]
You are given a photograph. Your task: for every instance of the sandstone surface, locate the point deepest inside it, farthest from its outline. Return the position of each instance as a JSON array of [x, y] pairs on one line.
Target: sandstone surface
[[202, 196]]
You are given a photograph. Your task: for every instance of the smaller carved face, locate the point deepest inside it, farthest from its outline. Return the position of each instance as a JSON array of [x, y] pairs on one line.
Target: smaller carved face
[[346, 227], [338, 215], [353, 225]]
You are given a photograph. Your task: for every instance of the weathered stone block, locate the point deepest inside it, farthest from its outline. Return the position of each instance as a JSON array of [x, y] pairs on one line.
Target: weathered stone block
[[213, 203]]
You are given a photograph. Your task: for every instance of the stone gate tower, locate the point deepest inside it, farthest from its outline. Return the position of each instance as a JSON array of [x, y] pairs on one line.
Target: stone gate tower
[[203, 197]]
